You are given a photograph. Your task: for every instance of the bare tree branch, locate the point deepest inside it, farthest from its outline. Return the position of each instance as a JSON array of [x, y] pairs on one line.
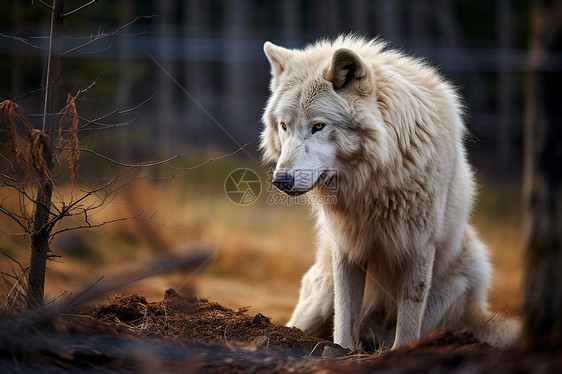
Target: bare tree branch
[[56, 298], [138, 105], [139, 165], [41, 89], [103, 126], [73, 205], [80, 8], [90, 225], [45, 4], [210, 160], [24, 192], [22, 40], [63, 110], [12, 259], [116, 111], [159, 162], [7, 176], [15, 217], [101, 35], [18, 284], [109, 46], [84, 90]]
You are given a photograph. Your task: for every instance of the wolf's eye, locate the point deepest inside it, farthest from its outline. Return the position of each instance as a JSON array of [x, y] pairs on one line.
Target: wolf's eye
[[318, 126], [283, 126]]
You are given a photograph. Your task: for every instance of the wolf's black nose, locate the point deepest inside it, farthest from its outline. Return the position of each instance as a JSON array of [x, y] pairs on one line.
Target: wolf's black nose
[[284, 181]]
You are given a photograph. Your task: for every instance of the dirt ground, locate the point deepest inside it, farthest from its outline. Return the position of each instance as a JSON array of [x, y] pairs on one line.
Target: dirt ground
[[190, 334]]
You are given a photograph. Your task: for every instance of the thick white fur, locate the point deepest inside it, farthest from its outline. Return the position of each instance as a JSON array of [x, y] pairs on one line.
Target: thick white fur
[[396, 256]]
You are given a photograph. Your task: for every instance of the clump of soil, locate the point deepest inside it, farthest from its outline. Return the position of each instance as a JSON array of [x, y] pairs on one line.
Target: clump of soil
[[194, 319], [189, 334]]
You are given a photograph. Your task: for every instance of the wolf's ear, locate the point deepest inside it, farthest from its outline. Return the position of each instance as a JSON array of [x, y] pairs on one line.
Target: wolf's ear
[[346, 69], [277, 57]]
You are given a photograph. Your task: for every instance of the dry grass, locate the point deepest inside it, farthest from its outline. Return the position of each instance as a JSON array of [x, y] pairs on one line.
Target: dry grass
[[261, 251]]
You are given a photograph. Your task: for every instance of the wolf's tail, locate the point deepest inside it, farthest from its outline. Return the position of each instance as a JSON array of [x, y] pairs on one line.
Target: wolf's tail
[[495, 329], [490, 327]]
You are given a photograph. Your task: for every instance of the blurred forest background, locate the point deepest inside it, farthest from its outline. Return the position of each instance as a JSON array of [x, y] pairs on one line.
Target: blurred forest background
[[204, 61]]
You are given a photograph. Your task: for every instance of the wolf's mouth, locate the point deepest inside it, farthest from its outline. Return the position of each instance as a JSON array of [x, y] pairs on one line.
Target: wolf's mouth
[[291, 192], [295, 192], [286, 184]]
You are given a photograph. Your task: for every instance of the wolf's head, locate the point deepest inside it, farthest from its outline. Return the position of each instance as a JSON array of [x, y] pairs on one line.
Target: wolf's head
[[322, 113]]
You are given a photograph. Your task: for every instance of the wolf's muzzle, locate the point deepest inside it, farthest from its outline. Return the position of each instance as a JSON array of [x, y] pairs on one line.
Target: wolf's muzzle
[[284, 182]]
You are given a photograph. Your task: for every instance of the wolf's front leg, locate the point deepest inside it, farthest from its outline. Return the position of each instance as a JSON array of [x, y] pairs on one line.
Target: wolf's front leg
[[412, 297], [349, 285]]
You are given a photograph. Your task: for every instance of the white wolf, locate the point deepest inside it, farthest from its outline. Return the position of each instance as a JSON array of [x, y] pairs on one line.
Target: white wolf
[[396, 256]]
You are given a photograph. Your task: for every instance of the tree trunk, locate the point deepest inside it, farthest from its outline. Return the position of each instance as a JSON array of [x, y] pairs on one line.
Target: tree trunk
[[41, 229], [542, 306]]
